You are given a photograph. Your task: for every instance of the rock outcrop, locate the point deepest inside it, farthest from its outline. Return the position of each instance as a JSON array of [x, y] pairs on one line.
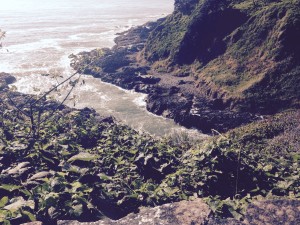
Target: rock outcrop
[[275, 212], [6, 79], [185, 212]]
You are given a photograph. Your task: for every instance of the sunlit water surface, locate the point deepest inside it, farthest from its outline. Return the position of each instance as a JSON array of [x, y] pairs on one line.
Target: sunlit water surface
[[41, 34]]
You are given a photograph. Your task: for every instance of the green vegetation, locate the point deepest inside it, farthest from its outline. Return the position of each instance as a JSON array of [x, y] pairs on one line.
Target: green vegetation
[[167, 38], [245, 50], [85, 167], [78, 165], [81, 167]]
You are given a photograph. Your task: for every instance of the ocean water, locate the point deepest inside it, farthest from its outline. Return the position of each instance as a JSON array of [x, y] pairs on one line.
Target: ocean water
[[41, 34]]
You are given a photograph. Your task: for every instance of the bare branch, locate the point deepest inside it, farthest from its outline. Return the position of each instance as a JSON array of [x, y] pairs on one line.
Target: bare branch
[[62, 102], [17, 107]]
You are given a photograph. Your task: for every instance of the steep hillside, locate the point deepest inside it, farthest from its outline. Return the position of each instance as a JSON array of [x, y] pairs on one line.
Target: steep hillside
[[242, 52]]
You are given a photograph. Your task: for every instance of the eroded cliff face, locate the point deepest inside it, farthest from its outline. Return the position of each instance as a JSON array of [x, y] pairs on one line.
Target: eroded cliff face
[[244, 54]]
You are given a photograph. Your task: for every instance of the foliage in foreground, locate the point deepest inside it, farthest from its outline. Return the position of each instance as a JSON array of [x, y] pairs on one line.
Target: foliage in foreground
[[85, 167]]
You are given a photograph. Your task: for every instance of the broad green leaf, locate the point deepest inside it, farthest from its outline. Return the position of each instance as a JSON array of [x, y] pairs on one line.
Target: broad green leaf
[[40, 175], [18, 203], [3, 201], [10, 188], [6, 222], [29, 215], [104, 177], [77, 210], [76, 185], [83, 156]]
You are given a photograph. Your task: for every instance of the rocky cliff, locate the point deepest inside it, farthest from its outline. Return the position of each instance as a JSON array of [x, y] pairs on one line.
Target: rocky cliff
[[243, 53], [210, 64]]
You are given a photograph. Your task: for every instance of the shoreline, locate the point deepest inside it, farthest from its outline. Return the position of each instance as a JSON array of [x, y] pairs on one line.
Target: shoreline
[[169, 94], [168, 126], [192, 132]]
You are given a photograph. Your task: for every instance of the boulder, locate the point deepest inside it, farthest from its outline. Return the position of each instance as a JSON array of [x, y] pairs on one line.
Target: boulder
[[185, 212]]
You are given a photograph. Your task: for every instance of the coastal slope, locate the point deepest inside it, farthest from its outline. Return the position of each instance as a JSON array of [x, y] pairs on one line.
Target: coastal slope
[[210, 64]]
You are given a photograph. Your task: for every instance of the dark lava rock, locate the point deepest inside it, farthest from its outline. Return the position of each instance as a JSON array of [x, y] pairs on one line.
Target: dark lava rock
[[194, 112], [6, 79]]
